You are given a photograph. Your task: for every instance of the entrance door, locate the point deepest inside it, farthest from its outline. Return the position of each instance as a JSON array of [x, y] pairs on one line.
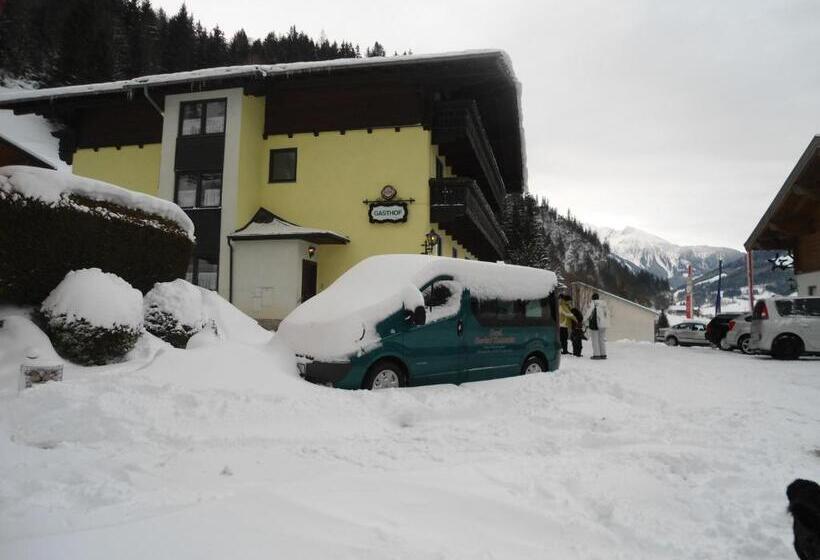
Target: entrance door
[[308, 279]]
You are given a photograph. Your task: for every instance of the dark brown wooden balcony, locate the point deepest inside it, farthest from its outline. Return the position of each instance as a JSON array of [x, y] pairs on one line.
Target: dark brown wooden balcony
[[462, 139], [459, 207]]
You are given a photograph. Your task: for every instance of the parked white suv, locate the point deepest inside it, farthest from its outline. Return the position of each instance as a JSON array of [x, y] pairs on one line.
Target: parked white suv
[[786, 327]]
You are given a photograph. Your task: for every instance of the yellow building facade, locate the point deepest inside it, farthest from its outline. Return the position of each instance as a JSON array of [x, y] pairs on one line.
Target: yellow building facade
[[291, 182]]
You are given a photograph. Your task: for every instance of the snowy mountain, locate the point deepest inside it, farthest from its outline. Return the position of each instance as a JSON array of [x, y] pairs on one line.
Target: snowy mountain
[[661, 257]]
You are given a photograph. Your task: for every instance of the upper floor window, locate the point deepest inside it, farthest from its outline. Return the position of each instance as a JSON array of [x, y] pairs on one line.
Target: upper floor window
[[199, 190], [282, 166], [202, 117]]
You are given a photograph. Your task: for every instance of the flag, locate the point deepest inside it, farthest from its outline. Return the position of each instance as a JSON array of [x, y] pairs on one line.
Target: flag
[[689, 290]]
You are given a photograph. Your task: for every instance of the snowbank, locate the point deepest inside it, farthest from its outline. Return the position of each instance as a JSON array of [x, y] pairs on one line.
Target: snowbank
[[221, 452], [53, 187], [341, 319], [103, 299], [231, 323]]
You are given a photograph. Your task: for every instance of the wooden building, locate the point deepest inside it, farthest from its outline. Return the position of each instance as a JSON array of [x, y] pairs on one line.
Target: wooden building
[[792, 221], [333, 161]]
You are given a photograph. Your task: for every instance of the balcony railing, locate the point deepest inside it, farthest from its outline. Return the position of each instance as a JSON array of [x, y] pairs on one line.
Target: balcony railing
[[457, 122], [458, 205]]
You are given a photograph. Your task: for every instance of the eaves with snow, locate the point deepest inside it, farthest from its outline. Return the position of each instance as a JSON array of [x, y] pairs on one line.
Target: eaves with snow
[[28, 135], [31, 135], [155, 86]]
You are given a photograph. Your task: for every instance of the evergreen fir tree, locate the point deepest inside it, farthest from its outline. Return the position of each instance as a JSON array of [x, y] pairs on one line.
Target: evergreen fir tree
[[79, 41], [216, 49], [86, 44], [240, 49], [180, 45], [377, 50]]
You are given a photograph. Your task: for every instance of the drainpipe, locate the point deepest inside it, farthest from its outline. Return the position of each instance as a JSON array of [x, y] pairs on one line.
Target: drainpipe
[[230, 271], [151, 101]]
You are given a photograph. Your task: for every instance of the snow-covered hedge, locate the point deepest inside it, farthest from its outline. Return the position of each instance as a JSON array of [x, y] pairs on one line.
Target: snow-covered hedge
[[53, 222], [93, 317], [173, 311]]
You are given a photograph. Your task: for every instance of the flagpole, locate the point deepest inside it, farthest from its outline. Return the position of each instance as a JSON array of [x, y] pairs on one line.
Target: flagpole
[[689, 290], [720, 277], [750, 276]]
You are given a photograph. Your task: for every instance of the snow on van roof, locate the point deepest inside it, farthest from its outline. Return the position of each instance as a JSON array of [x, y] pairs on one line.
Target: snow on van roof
[[343, 317], [50, 187]]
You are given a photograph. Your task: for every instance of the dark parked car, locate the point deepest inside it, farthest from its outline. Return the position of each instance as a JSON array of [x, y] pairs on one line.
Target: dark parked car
[[717, 328]]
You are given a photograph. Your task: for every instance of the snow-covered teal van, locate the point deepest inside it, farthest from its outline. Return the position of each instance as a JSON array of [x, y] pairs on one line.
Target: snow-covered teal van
[[396, 320]]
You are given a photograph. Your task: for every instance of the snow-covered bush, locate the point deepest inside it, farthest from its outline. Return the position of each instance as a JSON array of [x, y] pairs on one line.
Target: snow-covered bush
[[93, 317], [173, 312], [53, 222]]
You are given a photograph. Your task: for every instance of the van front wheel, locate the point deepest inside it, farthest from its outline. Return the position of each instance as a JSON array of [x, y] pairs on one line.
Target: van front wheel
[[384, 374], [533, 364]]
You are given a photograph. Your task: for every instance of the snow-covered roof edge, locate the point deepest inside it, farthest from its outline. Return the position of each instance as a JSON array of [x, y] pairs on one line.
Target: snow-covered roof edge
[[31, 153], [267, 225], [520, 106], [258, 70], [619, 298]]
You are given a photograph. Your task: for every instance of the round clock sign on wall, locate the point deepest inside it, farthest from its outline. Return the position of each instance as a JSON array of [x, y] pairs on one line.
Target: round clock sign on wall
[[389, 192]]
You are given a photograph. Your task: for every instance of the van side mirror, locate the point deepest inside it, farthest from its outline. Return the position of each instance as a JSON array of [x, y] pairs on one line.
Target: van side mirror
[[419, 316]]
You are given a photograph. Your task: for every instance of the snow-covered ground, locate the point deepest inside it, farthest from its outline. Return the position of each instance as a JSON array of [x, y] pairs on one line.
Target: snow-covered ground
[[223, 452]]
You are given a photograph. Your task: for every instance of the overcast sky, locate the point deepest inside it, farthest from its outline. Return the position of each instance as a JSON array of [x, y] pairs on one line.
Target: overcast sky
[[680, 118]]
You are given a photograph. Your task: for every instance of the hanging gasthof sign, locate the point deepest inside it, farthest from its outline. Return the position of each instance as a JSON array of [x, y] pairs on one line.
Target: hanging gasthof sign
[[389, 209], [392, 212]]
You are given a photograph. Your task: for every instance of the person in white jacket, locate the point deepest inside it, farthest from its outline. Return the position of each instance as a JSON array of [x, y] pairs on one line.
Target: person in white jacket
[[596, 320]]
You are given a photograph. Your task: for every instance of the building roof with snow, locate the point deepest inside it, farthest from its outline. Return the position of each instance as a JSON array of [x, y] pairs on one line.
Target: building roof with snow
[[28, 140], [267, 225], [486, 76]]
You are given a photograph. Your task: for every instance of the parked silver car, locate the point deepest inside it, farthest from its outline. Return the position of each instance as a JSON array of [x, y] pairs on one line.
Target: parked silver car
[[688, 333], [739, 334], [786, 327]]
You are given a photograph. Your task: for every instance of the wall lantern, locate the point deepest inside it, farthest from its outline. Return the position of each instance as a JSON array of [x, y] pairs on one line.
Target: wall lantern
[[431, 240], [311, 251]]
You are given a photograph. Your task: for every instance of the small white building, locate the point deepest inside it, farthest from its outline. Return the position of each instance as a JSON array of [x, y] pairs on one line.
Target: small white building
[[628, 320], [271, 279]]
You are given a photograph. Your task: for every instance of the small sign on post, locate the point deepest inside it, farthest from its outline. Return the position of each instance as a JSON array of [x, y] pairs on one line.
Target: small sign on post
[[35, 371]]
